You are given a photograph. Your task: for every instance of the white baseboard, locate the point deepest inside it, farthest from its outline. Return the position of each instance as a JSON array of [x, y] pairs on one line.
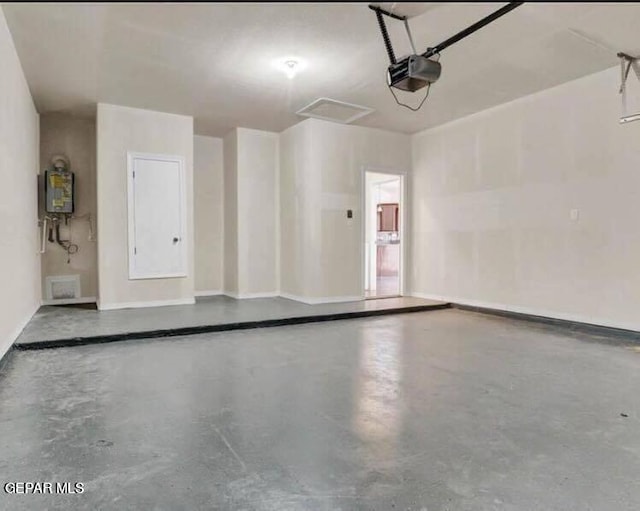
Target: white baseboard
[[247, 296], [578, 318], [210, 292], [15, 333], [322, 299], [295, 298], [271, 294], [70, 301], [428, 296], [137, 305]]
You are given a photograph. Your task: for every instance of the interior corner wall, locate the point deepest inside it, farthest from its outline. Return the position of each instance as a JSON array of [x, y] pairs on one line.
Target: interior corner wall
[[19, 234], [295, 188], [76, 139], [208, 214], [532, 207], [230, 208], [119, 130], [258, 168], [251, 202], [321, 178]]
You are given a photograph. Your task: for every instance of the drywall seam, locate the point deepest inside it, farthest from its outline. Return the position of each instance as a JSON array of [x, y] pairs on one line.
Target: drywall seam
[[503, 106]]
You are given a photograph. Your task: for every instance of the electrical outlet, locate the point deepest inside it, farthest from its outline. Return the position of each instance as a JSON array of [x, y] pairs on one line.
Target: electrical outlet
[[574, 214]]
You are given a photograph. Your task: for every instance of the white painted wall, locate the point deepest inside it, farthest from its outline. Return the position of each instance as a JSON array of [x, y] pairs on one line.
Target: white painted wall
[[258, 165], [322, 177], [208, 206], [389, 191], [251, 213], [340, 152], [492, 195], [76, 139], [120, 129], [296, 190], [372, 192], [230, 229], [19, 235]]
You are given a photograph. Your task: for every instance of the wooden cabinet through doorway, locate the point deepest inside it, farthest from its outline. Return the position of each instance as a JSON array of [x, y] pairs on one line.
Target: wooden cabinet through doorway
[[388, 217]]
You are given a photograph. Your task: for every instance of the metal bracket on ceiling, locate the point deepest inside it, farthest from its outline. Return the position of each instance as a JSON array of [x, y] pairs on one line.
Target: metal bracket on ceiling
[[404, 72], [444, 44], [626, 64], [385, 35]]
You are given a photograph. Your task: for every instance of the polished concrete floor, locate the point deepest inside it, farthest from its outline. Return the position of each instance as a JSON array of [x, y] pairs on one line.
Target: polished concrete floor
[[52, 323], [443, 410]]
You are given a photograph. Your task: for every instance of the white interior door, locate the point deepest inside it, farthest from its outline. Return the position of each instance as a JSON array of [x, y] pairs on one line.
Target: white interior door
[[157, 245]]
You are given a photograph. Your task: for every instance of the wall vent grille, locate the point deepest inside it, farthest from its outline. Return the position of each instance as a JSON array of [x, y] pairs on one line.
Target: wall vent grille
[[63, 287]]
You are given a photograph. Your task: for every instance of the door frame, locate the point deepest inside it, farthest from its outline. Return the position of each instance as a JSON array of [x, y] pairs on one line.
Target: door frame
[[404, 230], [131, 157]]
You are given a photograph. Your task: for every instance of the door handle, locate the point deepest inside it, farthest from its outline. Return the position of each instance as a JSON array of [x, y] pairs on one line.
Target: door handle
[[175, 240]]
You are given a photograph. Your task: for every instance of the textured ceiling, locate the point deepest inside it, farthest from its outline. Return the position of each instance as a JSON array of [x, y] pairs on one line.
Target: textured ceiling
[[214, 61]]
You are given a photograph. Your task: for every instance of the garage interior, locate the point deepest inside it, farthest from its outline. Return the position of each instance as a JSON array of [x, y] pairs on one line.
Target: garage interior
[[242, 268]]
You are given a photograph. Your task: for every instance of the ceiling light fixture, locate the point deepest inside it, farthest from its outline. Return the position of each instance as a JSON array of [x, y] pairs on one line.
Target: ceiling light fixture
[[290, 66], [290, 69]]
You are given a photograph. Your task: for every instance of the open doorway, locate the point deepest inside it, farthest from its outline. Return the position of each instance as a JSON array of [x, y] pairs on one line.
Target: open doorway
[[383, 235]]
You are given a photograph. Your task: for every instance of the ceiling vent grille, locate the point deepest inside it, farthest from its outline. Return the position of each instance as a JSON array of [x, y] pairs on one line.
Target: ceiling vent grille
[[333, 110]]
